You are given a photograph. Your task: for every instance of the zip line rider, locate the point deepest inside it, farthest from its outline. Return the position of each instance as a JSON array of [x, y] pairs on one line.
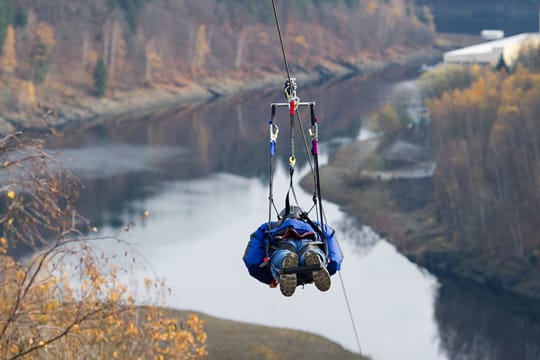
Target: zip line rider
[[295, 256], [293, 250]]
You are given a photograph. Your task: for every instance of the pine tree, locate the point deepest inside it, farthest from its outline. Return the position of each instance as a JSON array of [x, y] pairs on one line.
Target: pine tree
[[100, 78], [501, 65], [41, 60], [20, 17]]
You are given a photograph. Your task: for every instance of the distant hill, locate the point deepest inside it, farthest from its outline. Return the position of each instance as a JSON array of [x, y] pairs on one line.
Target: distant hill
[[472, 16], [235, 340]]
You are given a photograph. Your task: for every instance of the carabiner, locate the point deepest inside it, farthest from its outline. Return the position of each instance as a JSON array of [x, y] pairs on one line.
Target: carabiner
[[274, 132], [292, 161], [314, 131]]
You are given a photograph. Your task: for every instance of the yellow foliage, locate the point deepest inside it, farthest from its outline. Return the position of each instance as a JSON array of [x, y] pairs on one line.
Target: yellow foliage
[[27, 93], [110, 329], [8, 60], [371, 7], [387, 120], [153, 61], [68, 302], [3, 245], [300, 40], [202, 49]]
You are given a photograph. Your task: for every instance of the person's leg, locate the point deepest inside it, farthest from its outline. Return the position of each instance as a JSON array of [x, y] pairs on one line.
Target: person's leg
[[314, 255], [283, 259], [275, 262]]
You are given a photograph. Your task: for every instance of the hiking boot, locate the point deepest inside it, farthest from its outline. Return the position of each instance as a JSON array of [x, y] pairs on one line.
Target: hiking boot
[[287, 282], [321, 277]]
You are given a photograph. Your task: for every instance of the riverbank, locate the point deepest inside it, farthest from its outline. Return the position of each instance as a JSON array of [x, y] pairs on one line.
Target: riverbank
[[76, 110], [401, 209]]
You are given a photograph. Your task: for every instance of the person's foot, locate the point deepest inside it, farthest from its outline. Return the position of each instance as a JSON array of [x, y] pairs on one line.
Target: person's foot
[[321, 277], [287, 282]]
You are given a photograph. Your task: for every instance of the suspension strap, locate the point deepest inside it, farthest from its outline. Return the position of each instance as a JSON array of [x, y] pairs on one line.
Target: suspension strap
[[274, 132], [314, 134], [290, 93]]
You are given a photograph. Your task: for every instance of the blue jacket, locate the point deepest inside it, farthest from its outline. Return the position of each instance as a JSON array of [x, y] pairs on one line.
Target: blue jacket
[[255, 252]]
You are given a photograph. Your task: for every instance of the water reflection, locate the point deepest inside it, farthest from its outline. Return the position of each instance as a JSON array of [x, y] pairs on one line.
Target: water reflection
[[131, 159], [195, 239], [476, 323]]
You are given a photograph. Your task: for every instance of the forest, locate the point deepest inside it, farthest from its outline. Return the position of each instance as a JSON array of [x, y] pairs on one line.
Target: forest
[[75, 49], [487, 148]]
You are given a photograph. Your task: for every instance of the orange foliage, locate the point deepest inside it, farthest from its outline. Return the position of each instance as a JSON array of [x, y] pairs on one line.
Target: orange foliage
[[69, 300], [487, 148], [8, 59]]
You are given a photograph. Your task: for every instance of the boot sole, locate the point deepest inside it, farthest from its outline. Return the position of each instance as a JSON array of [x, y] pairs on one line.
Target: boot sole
[[287, 282], [321, 278]]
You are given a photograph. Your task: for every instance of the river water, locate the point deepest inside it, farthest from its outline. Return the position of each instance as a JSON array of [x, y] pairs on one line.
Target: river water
[[202, 173]]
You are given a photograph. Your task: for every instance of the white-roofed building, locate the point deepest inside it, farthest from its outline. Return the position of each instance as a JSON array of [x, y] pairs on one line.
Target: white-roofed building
[[491, 51]]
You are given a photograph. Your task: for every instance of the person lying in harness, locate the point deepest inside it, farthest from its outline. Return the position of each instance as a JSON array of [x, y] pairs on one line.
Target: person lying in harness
[[292, 252]]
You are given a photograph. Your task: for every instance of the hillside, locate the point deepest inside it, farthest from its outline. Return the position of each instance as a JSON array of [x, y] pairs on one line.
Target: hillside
[[475, 214], [229, 339], [87, 59]]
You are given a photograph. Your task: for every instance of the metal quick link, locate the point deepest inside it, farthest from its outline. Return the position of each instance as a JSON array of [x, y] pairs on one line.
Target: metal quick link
[[274, 132]]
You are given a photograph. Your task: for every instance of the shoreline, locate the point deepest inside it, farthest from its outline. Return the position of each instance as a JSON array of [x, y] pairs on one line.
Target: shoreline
[[402, 211], [72, 113]]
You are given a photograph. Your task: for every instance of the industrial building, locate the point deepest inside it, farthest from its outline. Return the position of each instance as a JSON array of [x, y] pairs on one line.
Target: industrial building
[[490, 52]]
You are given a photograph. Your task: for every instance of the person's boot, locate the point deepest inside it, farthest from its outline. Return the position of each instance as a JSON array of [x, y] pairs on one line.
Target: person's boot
[[287, 282], [321, 277]]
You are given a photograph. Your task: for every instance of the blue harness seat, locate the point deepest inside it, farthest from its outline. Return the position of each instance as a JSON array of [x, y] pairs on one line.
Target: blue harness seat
[[267, 238]]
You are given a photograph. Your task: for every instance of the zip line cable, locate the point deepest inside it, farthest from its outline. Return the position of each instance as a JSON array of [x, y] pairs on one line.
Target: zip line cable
[[289, 78], [350, 312], [281, 40], [322, 214]]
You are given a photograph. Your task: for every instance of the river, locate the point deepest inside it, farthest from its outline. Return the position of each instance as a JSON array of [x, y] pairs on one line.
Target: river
[[202, 173]]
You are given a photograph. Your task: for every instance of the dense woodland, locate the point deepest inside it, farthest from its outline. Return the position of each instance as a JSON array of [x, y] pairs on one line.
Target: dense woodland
[[487, 150], [77, 48]]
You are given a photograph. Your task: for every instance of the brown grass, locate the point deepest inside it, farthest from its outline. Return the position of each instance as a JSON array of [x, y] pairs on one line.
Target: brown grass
[[228, 339]]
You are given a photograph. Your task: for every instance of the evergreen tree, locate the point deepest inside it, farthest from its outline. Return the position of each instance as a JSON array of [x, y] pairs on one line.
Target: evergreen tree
[[41, 60], [100, 78], [20, 17], [501, 65]]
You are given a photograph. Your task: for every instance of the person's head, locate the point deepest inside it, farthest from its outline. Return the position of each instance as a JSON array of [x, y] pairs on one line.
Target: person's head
[[295, 212]]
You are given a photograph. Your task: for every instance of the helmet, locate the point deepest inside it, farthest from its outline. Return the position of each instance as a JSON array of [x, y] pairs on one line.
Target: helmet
[[295, 212]]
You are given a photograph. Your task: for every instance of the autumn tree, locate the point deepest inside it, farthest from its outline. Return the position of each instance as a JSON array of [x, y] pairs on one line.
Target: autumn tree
[[65, 298], [8, 58], [201, 50], [387, 121], [153, 61], [487, 150], [435, 82]]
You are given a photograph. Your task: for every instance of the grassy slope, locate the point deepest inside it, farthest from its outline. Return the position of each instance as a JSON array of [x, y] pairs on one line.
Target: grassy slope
[[229, 339]]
